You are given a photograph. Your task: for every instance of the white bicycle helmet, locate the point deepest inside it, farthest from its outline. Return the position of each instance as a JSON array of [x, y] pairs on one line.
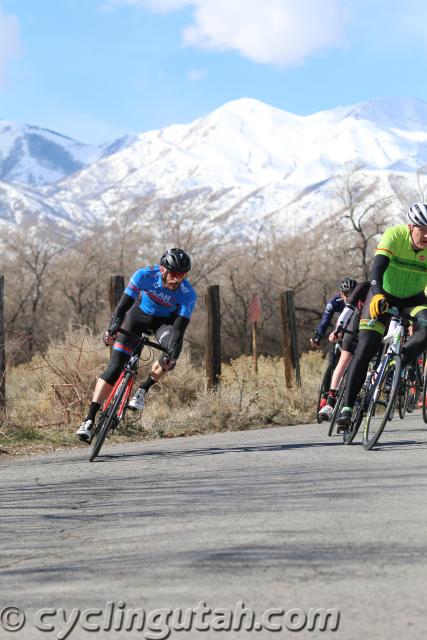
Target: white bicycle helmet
[[417, 214]]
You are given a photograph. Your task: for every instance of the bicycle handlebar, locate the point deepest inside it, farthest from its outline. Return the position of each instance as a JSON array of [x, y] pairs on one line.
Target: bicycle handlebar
[[145, 341], [340, 330], [394, 311]]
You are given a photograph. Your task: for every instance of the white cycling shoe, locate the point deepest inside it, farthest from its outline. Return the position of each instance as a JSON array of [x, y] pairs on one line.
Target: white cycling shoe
[[137, 402], [326, 412], [85, 431]]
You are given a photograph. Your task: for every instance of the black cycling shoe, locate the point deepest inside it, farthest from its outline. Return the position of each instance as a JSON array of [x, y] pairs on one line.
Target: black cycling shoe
[[344, 421]]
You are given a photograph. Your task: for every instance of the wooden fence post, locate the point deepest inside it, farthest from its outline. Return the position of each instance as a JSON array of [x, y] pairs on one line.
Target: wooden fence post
[[255, 317], [213, 337], [289, 332], [293, 333], [2, 349], [117, 286]]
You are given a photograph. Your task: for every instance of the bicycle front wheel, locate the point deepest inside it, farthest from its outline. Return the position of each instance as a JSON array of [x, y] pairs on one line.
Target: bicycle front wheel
[[110, 419], [423, 398], [382, 405]]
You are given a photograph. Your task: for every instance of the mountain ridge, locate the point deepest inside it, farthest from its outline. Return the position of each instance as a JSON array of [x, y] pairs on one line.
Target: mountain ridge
[[242, 148]]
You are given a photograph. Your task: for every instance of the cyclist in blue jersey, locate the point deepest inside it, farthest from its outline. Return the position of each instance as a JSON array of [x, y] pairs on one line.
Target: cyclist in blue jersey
[[158, 300], [334, 305]]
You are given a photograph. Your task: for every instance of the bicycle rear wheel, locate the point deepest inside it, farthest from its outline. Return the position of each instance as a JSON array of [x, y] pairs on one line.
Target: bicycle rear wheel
[[415, 388], [349, 435], [110, 419], [404, 395], [383, 402]]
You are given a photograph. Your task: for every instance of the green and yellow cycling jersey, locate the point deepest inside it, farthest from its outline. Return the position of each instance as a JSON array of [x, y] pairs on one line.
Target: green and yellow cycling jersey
[[406, 274]]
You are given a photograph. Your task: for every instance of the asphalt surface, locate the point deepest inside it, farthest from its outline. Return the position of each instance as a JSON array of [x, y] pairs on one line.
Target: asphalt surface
[[284, 518]]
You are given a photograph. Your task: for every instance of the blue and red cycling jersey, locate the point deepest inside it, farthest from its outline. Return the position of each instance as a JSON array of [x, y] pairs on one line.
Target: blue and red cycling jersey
[[155, 300]]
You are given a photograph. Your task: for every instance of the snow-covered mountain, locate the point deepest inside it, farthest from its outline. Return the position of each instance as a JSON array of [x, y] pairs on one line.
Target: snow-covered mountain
[[35, 156], [243, 162]]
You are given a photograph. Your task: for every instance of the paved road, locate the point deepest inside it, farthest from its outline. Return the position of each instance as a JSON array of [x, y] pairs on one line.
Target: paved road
[[283, 518]]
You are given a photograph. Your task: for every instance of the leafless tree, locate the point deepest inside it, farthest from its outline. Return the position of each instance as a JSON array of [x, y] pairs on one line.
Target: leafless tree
[[361, 212]]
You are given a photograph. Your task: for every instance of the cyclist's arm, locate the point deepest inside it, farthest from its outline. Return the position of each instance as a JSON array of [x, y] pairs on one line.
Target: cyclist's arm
[[177, 336], [332, 306], [378, 270], [119, 313], [168, 361], [179, 326], [130, 294], [344, 318], [359, 294], [356, 299]]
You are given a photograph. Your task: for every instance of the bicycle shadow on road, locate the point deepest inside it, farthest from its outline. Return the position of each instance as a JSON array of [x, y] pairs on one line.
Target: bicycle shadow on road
[[399, 445], [210, 451]]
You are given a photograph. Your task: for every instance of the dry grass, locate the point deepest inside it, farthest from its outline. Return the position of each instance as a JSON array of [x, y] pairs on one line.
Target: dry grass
[[48, 397]]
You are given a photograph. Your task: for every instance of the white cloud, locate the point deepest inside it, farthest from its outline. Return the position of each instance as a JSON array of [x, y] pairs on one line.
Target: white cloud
[[278, 32], [10, 42], [197, 74]]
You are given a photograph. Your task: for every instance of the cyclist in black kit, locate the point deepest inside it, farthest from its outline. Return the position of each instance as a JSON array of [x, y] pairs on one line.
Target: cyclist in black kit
[[334, 305]]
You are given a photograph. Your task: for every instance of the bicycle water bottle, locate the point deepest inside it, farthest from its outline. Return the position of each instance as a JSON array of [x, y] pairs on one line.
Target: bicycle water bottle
[[392, 328]]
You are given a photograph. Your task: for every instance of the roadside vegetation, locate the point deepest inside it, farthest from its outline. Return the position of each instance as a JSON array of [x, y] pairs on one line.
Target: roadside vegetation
[[48, 397]]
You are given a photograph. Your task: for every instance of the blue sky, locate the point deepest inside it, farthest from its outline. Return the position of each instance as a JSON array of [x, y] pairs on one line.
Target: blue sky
[[95, 69]]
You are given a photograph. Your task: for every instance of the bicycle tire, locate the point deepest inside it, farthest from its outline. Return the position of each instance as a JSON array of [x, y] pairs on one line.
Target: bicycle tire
[[326, 375], [423, 398], [349, 435], [107, 421], [371, 435], [411, 402], [403, 399], [414, 390]]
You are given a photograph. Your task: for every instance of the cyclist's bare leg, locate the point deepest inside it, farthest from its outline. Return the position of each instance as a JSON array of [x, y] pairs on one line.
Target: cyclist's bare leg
[[102, 391], [340, 369]]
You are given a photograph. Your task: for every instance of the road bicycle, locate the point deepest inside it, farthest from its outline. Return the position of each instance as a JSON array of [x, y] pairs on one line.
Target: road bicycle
[[362, 400], [411, 388], [388, 381], [114, 408]]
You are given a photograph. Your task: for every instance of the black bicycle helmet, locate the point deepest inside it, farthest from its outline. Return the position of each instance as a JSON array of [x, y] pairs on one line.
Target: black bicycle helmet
[[176, 260], [347, 285]]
